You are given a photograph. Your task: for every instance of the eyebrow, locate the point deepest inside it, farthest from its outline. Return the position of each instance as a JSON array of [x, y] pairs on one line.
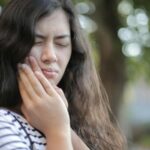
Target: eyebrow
[[40, 36], [63, 36], [57, 37]]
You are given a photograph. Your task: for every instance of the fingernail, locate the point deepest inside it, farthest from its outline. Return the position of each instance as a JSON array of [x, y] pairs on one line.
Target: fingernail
[[23, 66]]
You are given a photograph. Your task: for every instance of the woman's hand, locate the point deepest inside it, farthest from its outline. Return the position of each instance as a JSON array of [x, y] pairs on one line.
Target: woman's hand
[[31, 61], [44, 106]]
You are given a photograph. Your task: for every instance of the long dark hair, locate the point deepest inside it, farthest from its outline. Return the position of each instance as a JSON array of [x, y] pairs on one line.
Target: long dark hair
[[88, 103]]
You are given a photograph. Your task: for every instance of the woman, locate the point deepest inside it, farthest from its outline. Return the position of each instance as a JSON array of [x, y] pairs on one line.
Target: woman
[[50, 95]]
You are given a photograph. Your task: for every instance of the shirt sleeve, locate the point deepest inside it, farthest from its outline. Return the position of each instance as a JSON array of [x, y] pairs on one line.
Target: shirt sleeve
[[9, 136]]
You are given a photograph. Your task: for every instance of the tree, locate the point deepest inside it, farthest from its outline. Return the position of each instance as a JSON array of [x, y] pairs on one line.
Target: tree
[[3, 2], [112, 61]]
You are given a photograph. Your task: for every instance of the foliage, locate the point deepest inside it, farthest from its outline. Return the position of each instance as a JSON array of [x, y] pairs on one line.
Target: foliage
[[137, 66], [3, 2]]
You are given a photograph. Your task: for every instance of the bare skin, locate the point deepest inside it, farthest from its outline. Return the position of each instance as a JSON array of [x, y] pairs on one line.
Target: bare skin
[[39, 95]]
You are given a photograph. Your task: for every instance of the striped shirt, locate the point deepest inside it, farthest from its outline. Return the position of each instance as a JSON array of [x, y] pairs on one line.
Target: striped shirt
[[17, 134]]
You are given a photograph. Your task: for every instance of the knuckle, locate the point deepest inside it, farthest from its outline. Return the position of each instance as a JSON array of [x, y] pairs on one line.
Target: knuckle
[[34, 106]]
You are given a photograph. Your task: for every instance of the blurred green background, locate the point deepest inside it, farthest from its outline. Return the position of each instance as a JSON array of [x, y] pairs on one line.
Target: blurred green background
[[120, 36]]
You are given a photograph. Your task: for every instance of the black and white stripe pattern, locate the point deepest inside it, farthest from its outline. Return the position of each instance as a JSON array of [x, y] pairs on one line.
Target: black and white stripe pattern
[[17, 134]]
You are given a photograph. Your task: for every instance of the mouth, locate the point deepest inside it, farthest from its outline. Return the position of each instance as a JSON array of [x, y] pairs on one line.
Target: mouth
[[50, 73]]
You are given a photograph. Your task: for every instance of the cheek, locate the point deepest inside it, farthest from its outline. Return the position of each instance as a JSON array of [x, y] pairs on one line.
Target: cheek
[[35, 52], [65, 58]]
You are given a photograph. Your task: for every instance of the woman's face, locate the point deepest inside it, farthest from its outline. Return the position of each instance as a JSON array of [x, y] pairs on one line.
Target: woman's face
[[52, 48]]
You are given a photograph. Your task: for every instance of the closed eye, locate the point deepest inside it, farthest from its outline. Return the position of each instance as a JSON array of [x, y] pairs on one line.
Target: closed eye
[[39, 39], [38, 42], [63, 44], [63, 40]]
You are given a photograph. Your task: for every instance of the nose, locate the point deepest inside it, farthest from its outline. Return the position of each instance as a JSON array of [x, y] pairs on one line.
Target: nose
[[48, 54]]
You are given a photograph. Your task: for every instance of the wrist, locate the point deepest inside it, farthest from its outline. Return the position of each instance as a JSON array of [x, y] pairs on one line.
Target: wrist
[[58, 132], [59, 140], [77, 142]]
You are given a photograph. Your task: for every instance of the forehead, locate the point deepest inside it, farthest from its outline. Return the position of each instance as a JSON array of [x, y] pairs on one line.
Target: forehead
[[55, 22]]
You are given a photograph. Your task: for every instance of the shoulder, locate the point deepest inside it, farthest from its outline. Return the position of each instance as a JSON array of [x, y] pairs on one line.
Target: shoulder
[[14, 126], [6, 119], [10, 137], [9, 119]]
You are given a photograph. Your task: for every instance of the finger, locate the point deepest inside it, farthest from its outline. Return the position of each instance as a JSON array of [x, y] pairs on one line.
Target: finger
[[34, 65], [24, 95], [62, 95], [45, 83], [31, 79], [31, 89]]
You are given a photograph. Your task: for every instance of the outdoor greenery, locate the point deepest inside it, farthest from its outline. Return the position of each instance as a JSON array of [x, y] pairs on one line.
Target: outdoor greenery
[[120, 37], [115, 65]]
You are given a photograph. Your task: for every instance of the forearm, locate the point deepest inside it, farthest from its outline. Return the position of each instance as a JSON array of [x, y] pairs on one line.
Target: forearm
[[57, 141], [77, 143]]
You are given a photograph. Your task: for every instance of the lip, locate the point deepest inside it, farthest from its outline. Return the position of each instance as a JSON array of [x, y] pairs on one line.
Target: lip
[[50, 73]]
